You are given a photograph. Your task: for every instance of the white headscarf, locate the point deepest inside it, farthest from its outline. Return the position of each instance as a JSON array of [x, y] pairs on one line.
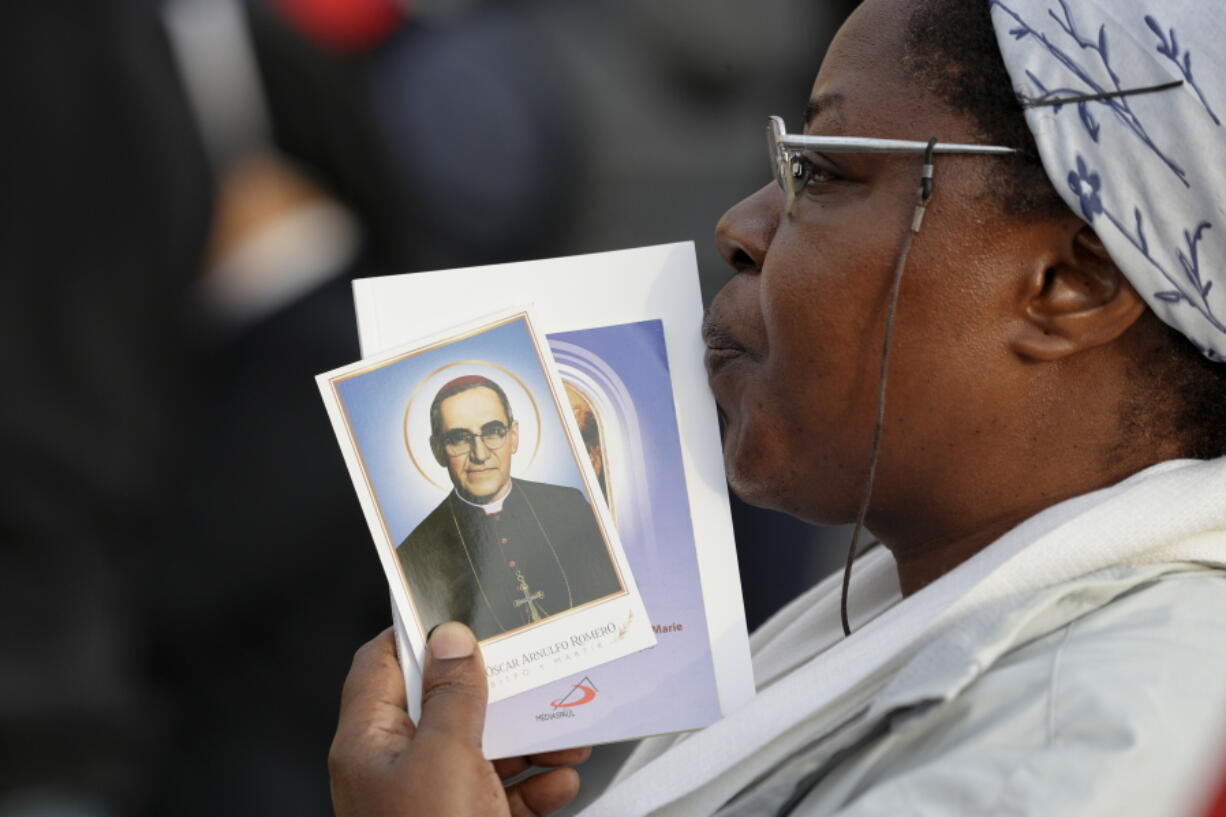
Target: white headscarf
[[1146, 170]]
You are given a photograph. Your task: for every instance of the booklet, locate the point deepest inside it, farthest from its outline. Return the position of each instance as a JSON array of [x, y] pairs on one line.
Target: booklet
[[624, 331]]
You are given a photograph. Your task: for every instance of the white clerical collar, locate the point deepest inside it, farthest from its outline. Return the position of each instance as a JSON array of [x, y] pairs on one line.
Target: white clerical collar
[[489, 508]]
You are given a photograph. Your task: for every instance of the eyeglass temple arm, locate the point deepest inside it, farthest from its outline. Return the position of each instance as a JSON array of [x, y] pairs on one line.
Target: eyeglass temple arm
[[858, 144]]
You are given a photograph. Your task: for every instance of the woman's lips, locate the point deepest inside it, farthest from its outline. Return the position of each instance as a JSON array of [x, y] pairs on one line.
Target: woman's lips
[[717, 357], [723, 348]]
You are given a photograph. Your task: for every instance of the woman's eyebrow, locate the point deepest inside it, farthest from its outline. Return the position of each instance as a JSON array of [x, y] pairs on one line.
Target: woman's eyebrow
[[822, 103]]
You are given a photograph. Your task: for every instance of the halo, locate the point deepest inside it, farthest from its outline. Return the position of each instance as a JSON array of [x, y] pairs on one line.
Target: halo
[[415, 426]]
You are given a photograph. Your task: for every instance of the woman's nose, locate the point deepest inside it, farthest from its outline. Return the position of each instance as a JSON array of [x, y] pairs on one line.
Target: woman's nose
[[744, 233]]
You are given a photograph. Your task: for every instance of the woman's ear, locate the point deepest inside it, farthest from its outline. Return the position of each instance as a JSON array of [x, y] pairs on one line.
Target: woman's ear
[[1075, 300]]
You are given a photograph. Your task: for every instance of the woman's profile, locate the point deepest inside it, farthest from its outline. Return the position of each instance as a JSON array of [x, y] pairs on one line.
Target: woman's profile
[[1010, 365]]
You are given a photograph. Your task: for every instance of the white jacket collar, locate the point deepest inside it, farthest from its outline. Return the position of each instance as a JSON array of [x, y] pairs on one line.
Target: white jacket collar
[[1172, 512]]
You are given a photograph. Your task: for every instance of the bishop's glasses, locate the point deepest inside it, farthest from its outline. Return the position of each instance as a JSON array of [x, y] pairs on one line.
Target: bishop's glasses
[[459, 441]]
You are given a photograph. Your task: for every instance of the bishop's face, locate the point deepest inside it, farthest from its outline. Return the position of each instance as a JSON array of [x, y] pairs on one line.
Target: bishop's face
[[482, 473]]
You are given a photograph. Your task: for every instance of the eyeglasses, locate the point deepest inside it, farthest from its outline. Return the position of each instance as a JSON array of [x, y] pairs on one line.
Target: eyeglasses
[[793, 171], [459, 441]]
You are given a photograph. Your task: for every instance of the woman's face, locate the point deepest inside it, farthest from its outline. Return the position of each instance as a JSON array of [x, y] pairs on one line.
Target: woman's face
[[796, 333]]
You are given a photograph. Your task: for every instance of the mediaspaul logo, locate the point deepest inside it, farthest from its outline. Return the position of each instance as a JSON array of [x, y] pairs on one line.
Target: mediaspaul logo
[[580, 694]]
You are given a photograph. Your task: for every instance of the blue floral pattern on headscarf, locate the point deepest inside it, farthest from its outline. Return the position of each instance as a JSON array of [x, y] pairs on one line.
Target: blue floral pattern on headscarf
[[1148, 171], [1085, 186]]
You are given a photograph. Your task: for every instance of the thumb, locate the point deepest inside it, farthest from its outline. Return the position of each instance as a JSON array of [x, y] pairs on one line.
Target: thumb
[[454, 689]]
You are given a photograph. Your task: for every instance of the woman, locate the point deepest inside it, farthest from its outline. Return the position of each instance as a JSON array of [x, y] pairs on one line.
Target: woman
[[1041, 631]]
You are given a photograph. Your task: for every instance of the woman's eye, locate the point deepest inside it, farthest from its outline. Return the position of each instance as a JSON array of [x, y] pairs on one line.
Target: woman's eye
[[806, 172]]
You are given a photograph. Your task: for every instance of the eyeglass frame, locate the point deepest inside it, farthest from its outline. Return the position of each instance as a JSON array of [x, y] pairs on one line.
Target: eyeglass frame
[[783, 147], [472, 438]]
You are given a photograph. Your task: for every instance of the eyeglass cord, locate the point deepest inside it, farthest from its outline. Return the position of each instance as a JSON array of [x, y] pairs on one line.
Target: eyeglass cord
[[921, 207]]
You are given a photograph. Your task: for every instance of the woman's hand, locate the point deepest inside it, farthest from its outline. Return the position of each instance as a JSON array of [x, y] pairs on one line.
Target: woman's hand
[[382, 765]]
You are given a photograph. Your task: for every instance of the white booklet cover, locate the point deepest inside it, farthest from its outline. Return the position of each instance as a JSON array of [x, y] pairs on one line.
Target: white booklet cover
[[438, 435], [624, 330]]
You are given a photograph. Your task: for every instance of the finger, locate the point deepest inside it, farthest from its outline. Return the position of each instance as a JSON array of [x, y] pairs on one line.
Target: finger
[[511, 766], [562, 757], [454, 689], [543, 794], [372, 714], [374, 675]]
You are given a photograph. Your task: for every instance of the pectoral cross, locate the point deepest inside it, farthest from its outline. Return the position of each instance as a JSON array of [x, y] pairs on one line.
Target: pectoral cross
[[535, 611]]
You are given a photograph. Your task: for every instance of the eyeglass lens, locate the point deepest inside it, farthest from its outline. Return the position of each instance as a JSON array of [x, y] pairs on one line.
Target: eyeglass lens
[[788, 169]]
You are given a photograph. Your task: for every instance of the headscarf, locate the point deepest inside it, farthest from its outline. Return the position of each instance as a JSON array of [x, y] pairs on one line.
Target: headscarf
[[1146, 169]]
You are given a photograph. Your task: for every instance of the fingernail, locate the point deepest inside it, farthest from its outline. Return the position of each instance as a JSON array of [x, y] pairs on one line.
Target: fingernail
[[452, 640]]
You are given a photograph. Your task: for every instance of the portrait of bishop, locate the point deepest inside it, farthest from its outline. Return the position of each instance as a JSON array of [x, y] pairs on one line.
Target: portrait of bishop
[[498, 552]]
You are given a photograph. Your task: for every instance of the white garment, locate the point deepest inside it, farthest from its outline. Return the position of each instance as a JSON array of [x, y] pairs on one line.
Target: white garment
[[820, 693], [492, 507], [1114, 712]]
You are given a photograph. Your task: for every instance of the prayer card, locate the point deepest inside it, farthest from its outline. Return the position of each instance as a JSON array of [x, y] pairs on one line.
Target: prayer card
[[483, 502], [623, 330]]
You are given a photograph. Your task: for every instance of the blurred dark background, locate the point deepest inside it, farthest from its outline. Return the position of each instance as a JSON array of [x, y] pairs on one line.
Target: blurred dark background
[[188, 189]]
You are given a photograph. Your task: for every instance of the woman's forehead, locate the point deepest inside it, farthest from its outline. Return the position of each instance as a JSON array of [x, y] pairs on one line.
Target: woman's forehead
[[865, 88]]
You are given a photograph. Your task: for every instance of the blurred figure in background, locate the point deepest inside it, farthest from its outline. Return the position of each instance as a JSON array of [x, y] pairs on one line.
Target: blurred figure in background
[[106, 206], [189, 188], [313, 192]]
